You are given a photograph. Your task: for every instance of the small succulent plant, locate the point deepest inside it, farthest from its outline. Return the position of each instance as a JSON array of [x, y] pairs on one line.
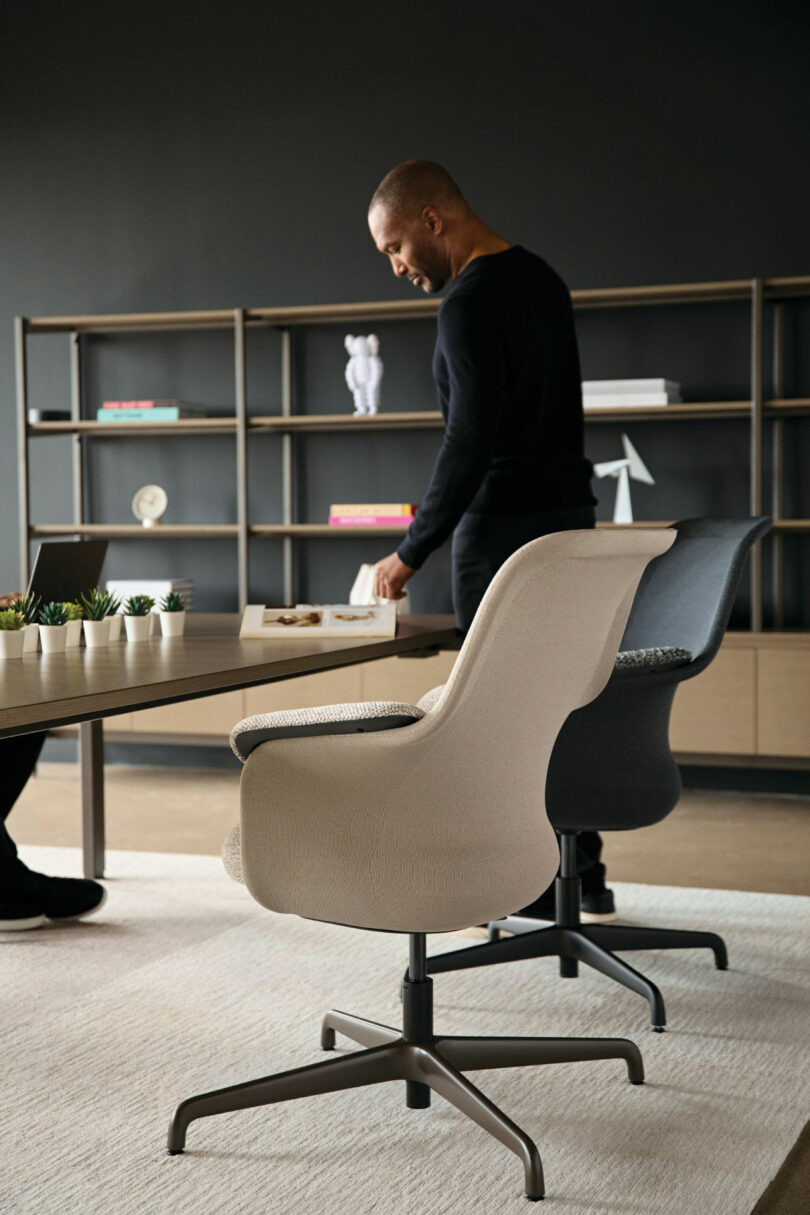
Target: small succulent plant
[[96, 603], [113, 603], [173, 602], [28, 607], [74, 610], [11, 619], [53, 613], [139, 605]]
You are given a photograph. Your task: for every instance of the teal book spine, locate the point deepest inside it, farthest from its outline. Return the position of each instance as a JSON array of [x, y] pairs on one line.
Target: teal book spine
[[160, 413]]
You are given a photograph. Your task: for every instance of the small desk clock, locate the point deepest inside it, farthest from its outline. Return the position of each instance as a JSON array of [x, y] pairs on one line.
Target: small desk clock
[[149, 504]]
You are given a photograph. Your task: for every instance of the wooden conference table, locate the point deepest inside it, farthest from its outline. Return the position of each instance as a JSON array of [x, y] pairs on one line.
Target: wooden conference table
[[44, 691]]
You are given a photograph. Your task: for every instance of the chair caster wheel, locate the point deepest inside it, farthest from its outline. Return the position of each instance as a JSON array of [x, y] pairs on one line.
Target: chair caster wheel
[[174, 1152], [658, 1029]]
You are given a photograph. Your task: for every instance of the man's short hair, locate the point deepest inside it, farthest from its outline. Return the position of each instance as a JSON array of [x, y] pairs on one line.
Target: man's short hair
[[415, 184]]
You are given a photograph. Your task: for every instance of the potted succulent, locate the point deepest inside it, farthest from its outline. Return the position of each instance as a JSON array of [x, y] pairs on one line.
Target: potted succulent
[[53, 627], [173, 614], [74, 624], [28, 607], [137, 612], [114, 616], [12, 634], [96, 623]]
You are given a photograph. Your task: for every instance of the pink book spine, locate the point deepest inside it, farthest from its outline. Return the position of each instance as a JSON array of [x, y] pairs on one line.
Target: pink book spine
[[128, 404], [402, 521]]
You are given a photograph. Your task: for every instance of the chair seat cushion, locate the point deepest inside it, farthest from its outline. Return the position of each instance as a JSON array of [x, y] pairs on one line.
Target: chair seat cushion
[[359, 718], [646, 662]]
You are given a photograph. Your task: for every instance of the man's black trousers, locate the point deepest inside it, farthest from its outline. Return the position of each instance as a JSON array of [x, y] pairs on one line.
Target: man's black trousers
[[18, 757]]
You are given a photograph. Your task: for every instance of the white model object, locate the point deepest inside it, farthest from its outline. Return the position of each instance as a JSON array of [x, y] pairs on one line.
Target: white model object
[[364, 372], [362, 592], [149, 504], [631, 466]]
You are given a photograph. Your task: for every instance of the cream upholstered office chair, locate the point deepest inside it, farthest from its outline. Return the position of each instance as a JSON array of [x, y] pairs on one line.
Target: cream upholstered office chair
[[385, 817]]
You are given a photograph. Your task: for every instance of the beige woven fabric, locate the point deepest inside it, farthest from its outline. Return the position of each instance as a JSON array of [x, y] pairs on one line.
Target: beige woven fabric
[[365, 714], [442, 825]]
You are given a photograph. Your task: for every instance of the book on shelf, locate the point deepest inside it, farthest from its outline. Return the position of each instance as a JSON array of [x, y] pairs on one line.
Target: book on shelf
[[157, 588], [402, 521], [630, 386], [153, 403], [154, 413], [372, 508], [626, 400]]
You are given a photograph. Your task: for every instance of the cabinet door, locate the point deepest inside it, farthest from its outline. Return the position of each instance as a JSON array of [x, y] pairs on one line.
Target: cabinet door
[[784, 702], [341, 686], [406, 679], [715, 713], [212, 716]]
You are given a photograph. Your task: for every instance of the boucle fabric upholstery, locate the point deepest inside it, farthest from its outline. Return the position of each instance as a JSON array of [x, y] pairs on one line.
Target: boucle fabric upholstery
[[442, 825], [655, 658], [357, 718], [232, 855]]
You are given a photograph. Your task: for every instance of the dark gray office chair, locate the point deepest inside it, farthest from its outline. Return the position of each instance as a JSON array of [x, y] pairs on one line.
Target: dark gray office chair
[[612, 768]]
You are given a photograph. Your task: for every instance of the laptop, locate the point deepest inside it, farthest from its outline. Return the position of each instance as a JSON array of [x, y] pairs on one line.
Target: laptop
[[65, 568]]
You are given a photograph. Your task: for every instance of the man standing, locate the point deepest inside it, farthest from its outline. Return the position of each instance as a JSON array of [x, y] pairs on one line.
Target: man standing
[[511, 466]]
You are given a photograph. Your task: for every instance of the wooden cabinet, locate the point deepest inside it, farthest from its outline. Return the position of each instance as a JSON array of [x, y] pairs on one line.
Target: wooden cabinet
[[210, 716], [784, 702], [716, 711]]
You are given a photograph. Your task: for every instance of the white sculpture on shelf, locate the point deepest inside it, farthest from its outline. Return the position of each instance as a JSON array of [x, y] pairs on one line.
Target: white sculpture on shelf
[[364, 372], [631, 466]]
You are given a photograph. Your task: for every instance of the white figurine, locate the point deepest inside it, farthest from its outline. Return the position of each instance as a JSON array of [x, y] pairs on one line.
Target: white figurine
[[364, 372]]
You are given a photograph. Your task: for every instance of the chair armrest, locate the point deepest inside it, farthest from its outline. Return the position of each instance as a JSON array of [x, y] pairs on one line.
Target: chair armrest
[[429, 700], [359, 718]]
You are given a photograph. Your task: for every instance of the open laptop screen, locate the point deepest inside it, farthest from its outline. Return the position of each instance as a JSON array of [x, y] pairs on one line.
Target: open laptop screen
[[65, 568]]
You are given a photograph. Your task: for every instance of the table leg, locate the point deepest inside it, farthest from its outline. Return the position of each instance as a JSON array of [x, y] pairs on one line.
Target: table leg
[[91, 760]]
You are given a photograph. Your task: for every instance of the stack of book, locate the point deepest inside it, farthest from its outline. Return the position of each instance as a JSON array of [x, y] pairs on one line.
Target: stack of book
[[148, 411], [615, 394], [157, 588], [371, 514]]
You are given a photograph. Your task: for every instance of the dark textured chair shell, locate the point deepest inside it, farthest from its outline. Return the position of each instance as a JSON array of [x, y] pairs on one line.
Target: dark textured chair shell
[[612, 768]]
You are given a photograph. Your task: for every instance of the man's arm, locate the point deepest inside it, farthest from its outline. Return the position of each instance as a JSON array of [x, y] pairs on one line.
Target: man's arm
[[473, 352]]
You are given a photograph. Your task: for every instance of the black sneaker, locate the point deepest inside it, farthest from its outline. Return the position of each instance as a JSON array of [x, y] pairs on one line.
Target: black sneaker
[[20, 916], [60, 899], [598, 903]]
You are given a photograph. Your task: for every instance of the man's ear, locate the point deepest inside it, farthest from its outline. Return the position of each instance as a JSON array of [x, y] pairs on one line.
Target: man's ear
[[432, 220]]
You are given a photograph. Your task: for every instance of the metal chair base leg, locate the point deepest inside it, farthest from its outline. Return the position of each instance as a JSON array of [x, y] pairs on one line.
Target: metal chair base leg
[[619, 936], [473, 1054], [358, 1029]]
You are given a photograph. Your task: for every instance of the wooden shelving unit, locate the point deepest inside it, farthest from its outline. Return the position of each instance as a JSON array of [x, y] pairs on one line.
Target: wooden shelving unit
[[759, 410]]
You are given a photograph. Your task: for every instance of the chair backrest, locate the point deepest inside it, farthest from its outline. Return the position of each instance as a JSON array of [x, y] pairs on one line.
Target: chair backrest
[[442, 824], [685, 597]]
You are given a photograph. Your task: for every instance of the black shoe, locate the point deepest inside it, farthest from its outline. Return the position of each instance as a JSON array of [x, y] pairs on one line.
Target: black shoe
[[540, 909], [597, 900], [19, 916], [59, 898]]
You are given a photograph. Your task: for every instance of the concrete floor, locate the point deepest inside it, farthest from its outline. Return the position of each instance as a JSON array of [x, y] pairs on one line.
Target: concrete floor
[[737, 841]]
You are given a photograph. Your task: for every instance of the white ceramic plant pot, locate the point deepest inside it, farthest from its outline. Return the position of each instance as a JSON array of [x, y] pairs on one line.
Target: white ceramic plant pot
[[11, 643], [74, 633], [53, 638], [137, 628], [96, 633], [173, 624], [30, 634], [115, 623]]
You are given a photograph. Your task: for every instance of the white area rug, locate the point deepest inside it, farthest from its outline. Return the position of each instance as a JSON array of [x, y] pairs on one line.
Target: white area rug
[[183, 984]]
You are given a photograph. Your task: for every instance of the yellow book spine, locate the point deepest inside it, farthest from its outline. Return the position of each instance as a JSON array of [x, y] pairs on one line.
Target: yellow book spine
[[371, 508]]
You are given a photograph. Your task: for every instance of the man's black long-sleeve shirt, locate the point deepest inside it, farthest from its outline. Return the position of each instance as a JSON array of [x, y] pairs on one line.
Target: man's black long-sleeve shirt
[[507, 371]]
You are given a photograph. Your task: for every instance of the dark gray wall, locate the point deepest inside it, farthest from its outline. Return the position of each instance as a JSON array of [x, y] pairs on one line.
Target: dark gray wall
[[188, 155]]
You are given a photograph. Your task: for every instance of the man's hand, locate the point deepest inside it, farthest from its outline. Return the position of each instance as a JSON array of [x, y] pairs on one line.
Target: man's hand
[[390, 576], [7, 601]]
